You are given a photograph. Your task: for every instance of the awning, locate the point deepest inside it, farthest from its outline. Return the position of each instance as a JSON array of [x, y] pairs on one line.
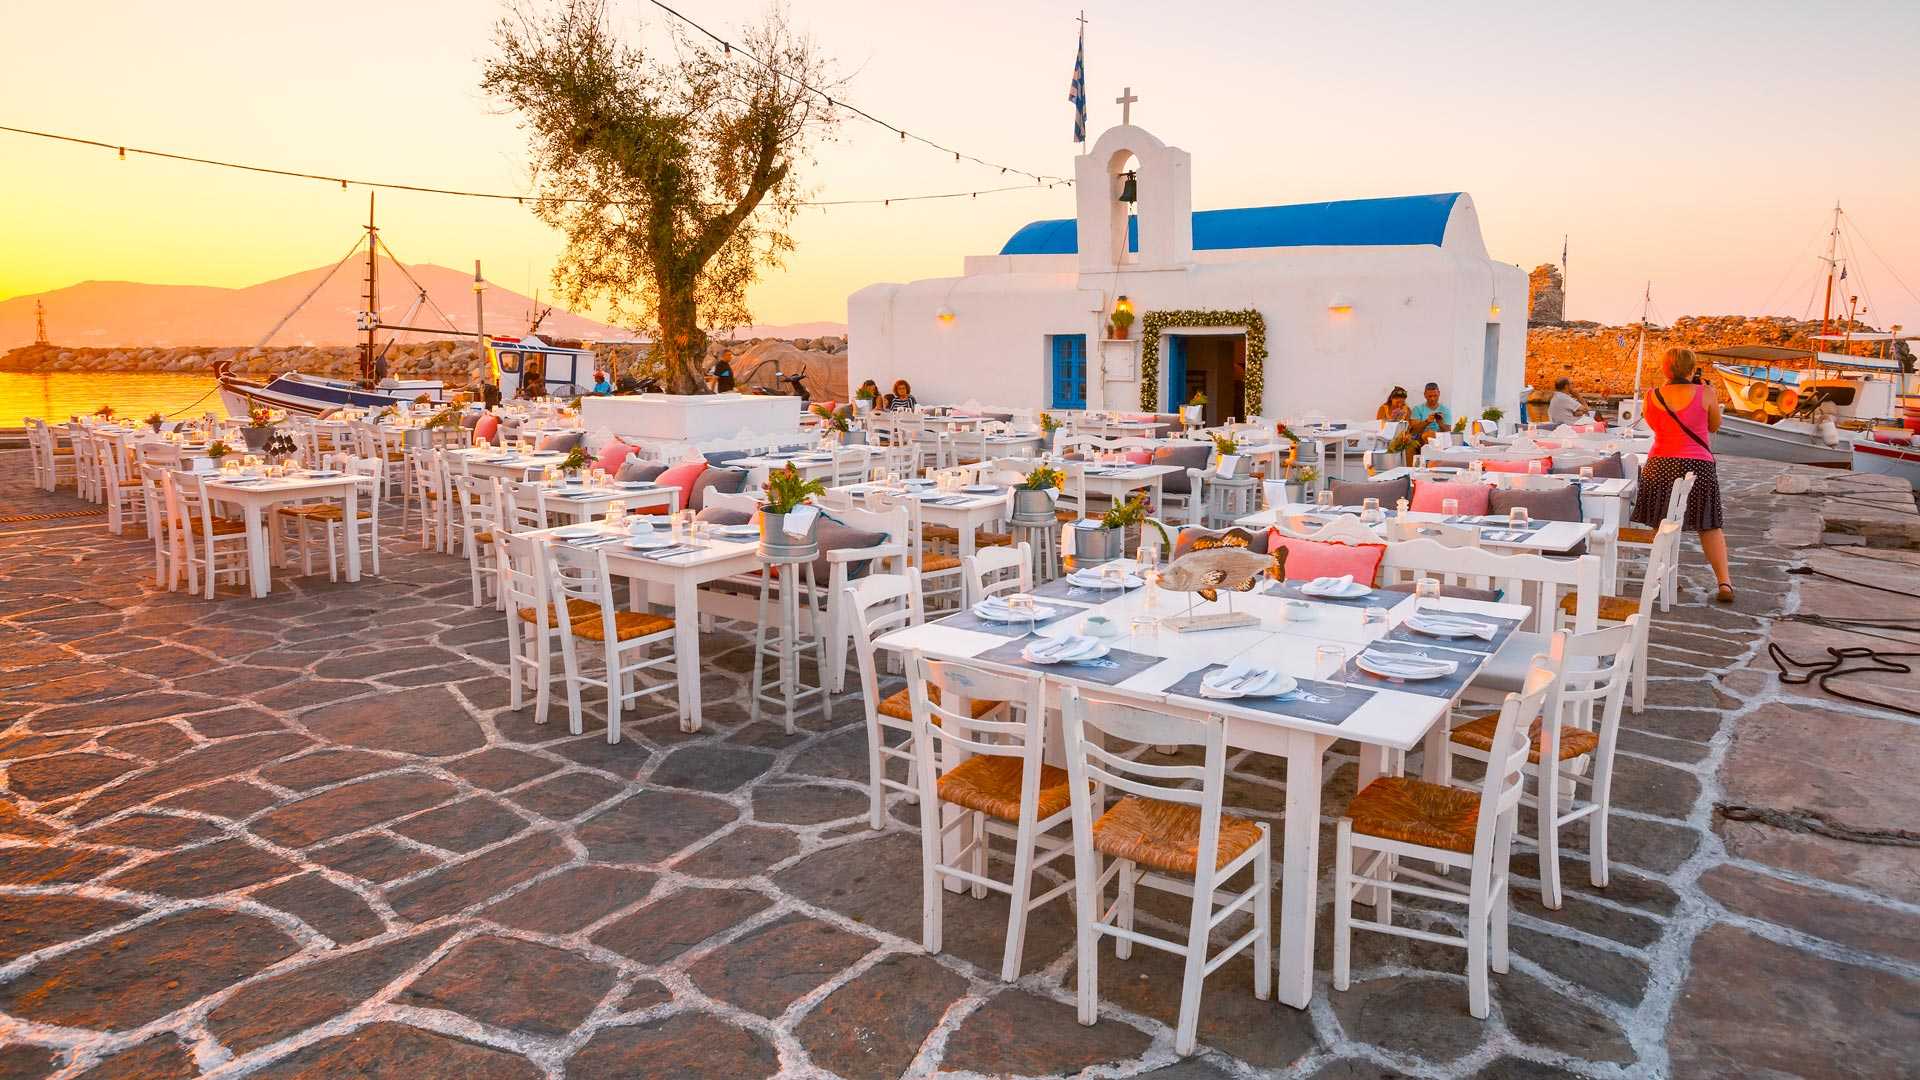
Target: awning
[[1758, 354]]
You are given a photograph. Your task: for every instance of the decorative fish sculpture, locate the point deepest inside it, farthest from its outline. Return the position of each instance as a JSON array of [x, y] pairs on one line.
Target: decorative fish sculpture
[[1206, 572]]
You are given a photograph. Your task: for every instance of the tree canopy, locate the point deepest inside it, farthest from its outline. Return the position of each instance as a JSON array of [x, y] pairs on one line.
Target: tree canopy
[[673, 175]]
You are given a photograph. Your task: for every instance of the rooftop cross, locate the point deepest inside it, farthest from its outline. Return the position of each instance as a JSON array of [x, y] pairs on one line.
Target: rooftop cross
[[1125, 101]]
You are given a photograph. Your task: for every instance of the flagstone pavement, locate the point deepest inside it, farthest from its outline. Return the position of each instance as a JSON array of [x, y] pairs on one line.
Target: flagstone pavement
[[305, 837]]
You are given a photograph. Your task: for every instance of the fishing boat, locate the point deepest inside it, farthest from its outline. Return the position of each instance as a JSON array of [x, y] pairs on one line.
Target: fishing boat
[[316, 395], [1888, 452]]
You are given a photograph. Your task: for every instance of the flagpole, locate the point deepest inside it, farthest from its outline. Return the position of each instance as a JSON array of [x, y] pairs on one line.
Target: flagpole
[[1077, 89]]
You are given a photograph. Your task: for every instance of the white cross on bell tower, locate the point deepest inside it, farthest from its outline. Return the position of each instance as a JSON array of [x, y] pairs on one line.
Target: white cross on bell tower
[[1125, 101]]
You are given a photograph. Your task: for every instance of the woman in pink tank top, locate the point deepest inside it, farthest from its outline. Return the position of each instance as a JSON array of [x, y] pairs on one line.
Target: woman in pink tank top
[[1684, 413]]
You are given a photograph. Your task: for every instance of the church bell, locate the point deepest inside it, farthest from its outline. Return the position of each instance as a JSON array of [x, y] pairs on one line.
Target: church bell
[[1130, 191]]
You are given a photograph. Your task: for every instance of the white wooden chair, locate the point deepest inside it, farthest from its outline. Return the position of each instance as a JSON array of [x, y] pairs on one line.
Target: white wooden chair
[[1395, 818], [480, 514], [1167, 832], [169, 558], [941, 578], [990, 771], [876, 604], [624, 640], [532, 626], [996, 570], [429, 491], [1573, 747], [1635, 540], [119, 482], [215, 545], [849, 466], [87, 482], [1613, 610]]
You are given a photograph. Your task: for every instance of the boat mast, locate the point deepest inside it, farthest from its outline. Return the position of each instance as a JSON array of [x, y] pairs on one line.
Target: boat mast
[[1832, 260], [1640, 353], [373, 292]]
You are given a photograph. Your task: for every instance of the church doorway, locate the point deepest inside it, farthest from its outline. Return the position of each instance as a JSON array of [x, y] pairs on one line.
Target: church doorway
[[1213, 364]]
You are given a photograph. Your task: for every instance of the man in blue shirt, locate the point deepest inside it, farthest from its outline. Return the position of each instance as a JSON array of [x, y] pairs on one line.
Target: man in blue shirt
[[1431, 417], [601, 385]]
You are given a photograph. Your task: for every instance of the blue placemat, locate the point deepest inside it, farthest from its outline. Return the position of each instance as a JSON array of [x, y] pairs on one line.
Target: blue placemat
[[1448, 687], [1321, 702], [1116, 667], [965, 619], [1506, 627]]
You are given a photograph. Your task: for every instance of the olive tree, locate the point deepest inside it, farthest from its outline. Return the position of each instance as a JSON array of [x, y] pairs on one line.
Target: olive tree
[[673, 173]]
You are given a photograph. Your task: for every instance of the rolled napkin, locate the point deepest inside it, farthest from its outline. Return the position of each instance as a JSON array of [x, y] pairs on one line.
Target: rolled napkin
[[1329, 586], [1449, 625], [1062, 649], [1408, 665]]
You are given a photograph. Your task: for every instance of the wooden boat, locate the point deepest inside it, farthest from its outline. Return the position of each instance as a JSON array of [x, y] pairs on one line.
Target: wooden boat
[[1888, 452]]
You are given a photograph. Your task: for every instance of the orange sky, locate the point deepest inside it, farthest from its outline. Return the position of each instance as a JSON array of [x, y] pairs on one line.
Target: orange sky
[[1676, 143]]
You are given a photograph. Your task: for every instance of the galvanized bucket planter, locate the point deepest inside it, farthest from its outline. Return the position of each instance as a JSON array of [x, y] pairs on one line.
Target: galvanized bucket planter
[[776, 544], [1031, 507], [1099, 545], [257, 436]]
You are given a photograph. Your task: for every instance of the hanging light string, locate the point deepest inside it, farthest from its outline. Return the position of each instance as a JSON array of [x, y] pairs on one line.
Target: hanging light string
[[833, 102], [390, 185]]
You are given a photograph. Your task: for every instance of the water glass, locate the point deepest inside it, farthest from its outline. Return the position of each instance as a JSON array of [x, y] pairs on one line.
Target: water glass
[[1323, 497], [1373, 616], [1450, 507], [1022, 607], [1329, 663], [1427, 588], [1517, 517], [683, 524], [1586, 472], [1143, 629], [1534, 467], [616, 512], [1113, 577], [1149, 556]]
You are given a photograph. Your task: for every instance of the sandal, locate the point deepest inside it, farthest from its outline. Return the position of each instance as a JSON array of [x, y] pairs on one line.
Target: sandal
[[1725, 595]]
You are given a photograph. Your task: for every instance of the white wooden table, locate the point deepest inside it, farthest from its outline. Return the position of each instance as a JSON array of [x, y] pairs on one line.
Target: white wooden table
[[810, 464], [1331, 444], [681, 576], [575, 502], [1116, 482], [1392, 720], [491, 463], [962, 512], [257, 497], [1551, 538]]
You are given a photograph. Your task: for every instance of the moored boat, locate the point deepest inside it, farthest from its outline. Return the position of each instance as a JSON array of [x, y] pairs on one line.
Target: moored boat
[[1888, 452]]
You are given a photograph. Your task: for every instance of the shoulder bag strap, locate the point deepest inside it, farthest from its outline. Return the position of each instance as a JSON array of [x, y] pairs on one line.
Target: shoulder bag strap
[[1698, 441]]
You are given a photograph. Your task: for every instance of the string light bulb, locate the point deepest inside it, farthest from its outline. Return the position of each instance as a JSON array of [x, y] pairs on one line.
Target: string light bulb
[[945, 314], [123, 153]]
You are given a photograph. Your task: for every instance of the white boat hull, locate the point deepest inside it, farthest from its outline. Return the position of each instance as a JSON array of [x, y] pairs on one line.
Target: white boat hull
[[314, 396], [1791, 441], [1886, 459]]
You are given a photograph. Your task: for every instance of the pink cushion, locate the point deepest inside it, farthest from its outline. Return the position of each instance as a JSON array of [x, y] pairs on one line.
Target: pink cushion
[[1309, 559], [682, 476], [1427, 495], [487, 429], [1546, 465], [1139, 457], [613, 455]]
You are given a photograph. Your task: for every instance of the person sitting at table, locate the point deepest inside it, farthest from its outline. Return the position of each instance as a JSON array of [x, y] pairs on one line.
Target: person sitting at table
[[901, 400], [601, 385], [1430, 417], [1564, 407], [1395, 407]]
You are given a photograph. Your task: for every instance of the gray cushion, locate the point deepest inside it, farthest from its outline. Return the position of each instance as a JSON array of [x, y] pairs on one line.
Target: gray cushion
[[1457, 592], [635, 470], [1552, 504], [1607, 468], [1389, 492], [562, 441], [725, 481], [469, 419], [720, 515], [1183, 458], [835, 535], [1506, 670], [1256, 539], [721, 457]]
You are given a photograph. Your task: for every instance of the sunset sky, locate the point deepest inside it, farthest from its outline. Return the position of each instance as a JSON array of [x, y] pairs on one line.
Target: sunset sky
[[1698, 145]]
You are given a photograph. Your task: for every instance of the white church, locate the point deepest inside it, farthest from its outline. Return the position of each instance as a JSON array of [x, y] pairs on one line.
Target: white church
[[1275, 311]]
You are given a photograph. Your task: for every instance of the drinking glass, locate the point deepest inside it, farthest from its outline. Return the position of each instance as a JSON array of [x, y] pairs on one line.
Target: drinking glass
[[1149, 556], [1323, 497], [1450, 507], [1586, 472], [616, 512], [683, 524], [1329, 663], [1427, 588], [1143, 629], [1113, 577], [1372, 615], [1517, 517], [877, 475], [1022, 607]]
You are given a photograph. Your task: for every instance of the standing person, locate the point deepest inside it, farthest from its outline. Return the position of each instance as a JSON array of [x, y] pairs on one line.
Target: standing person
[[722, 372], [1564, 408], [901, 400], [1683, 414]]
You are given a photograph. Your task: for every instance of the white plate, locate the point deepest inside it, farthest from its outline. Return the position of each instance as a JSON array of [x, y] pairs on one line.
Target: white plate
[[1362, 663], [1098, 650], [1092, 581], [1421, 626], [919, 482], [635, 485], [980, 489], [1275, 684], [744, 532], [647, 543], [1001, 615], [1352, 589], [575, 532]]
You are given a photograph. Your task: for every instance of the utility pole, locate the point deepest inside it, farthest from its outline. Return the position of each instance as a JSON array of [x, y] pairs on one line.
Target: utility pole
[[40, 323]]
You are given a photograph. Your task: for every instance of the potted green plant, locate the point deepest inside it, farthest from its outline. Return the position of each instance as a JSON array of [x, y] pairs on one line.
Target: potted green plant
[[445, 418], [1299, 481], [837, 422], [866, 396], [1225, 444], [156, 422], [217, 450], [786, 490], [104, 412], [1032, 498], [575, 464], [1191, 412], [1492, 414], [1109, 541], [1121, 321], [258, 430]]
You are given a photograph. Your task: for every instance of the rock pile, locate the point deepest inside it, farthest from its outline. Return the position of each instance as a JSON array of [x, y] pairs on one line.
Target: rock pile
[[1600, 358]]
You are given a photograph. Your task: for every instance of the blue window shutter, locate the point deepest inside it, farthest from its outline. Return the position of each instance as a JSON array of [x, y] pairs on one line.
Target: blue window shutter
[[1176, 350], [1069, 371]]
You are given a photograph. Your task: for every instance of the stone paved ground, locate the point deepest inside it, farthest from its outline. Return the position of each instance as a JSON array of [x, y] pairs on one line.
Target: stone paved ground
[[305, 837]]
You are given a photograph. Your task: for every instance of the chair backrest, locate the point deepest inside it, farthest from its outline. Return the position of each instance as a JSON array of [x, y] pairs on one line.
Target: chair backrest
[[479, 501], [950, 721], [1677, 497], [1438, 532], [876, 604], [191, 502], [520, 508], [575, 573], [1089, 721], [887, 502], [1596, 670], [991, 571], [1087, 444], [1534, 580], [1344, 529], [1662, 557], [895, 522], [1505, 778], [153, 488], [523, 573]]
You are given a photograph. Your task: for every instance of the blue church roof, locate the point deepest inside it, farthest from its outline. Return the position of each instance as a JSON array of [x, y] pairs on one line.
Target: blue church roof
[[1411, 219]]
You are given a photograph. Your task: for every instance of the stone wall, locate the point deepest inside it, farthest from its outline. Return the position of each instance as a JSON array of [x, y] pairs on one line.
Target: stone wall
[[1546, 295], [1600, 359]]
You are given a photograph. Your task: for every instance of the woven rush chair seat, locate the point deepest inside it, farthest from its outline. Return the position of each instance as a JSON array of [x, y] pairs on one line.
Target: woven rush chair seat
[[935, 563], [221, 526], [1416, 812], [433, 496], [1066, 517], [1166, 835], [942, 533], [983, 538], [577, 609], [899, 705], [327, 512], [627, 625], [484, 536], [1479, 734], [1612, 608], [395, 455], [991, 785], [1634, 534]]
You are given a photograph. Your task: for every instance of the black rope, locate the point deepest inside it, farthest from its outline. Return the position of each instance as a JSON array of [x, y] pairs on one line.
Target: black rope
[[1821, 673]]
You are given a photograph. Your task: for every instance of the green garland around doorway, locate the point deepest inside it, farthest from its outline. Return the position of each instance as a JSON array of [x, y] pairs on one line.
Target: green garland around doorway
[[1154, 321]]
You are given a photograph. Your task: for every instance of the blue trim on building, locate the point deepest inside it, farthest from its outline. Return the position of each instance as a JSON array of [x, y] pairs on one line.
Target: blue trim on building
[[1069, 384], [1407, 220]]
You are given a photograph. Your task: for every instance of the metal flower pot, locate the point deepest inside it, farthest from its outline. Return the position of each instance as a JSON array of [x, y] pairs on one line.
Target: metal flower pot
[[1099, 545], [257, 437], [1032, 507], [854, 437], [776, 544]]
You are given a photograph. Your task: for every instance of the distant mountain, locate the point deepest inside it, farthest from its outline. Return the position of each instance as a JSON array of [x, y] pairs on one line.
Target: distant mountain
[[128, 313], [110, 314]]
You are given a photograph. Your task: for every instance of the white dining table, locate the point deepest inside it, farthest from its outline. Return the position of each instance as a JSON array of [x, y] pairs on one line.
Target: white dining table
[[577, 501], [963, 512], [255, 497], [680, 576], [1116, 482], [1390, 722], [495, 464], [1550, 538], [1332, 443], [810, 464]]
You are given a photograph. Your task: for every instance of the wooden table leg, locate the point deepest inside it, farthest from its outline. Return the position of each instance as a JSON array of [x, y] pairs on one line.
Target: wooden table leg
[[686, 650], [351, 529], [1300, 870], [259, 572]]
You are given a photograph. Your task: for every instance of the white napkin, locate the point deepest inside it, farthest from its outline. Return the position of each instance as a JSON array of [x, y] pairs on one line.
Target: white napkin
[[1452, 625], [1235, 680], [1069, 647], [1329, 585], [1408, 665]]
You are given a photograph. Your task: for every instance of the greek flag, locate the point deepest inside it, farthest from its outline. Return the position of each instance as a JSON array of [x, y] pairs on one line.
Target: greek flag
[[1077, 92]]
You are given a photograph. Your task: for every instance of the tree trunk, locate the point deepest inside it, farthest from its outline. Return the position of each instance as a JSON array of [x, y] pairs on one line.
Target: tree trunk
[[682, 346]]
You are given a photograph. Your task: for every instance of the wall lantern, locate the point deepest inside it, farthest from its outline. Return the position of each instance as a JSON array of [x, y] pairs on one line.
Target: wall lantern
[[1130, 190], [1121, 304], [1493, 311], [945, 314], [1341, 304]]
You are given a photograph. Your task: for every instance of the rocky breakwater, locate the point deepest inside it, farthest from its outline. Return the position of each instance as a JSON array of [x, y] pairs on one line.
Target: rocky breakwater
[[1600, 359], [449, 361], [824, 359]]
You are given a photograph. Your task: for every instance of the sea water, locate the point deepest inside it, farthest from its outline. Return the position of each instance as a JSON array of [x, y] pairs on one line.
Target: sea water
[[55, 396]]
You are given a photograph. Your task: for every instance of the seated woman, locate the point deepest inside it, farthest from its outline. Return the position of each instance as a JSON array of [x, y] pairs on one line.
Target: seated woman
[[1395, 407], [901, 400]]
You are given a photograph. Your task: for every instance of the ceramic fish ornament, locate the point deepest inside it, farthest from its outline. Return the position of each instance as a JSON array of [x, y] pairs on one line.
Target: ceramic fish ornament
[[1206, 572]]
